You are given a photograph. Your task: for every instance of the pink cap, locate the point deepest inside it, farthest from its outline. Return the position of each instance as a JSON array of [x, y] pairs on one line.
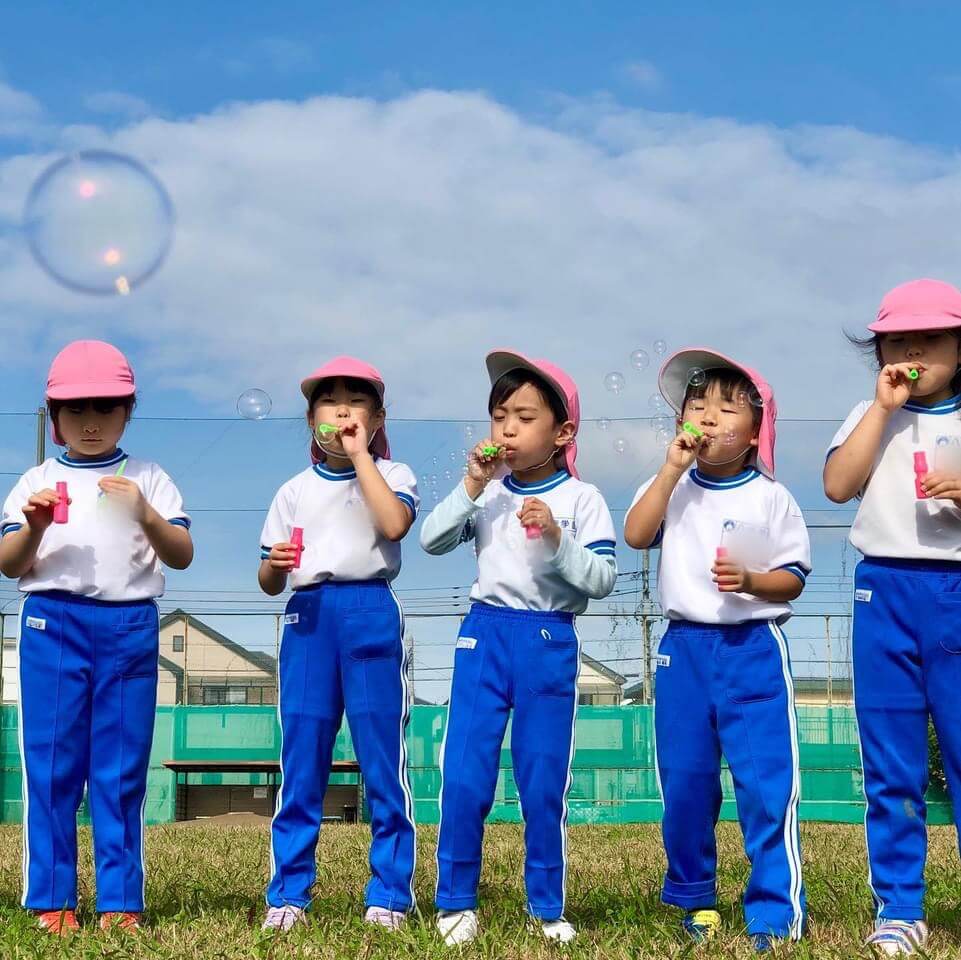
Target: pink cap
[[500, 362], [347, 367], [88, 368], [675, 375], [919, 305]]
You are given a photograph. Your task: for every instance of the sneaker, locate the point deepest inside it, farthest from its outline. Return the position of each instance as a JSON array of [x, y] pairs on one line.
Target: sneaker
[[382, 917], [898, 938], [128, 922], [284, 918], [457, 926], [559, 930], [701, 925], [763, 942], [58, 922]]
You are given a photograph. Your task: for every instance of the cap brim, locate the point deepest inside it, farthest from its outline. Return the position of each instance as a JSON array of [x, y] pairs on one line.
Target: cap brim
[[80, 391], [675, 374], [503, 361], [910, 324], [308, 386]]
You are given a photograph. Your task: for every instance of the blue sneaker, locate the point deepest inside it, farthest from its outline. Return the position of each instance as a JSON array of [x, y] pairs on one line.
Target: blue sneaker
[[762, 942], [701, 925]]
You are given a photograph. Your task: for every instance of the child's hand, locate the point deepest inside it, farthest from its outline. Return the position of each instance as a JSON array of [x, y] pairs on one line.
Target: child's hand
[[354, 439], [730, 576], [481, 467], [682, 451], [38, 510], [536, 513], [942, 486], [283, 556], [894, 385], [127, 494]]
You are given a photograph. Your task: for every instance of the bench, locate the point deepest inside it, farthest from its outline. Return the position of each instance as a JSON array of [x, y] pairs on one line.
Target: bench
[[270, 768]]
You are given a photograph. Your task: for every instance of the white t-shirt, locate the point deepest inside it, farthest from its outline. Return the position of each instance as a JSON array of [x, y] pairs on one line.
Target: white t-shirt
[[891, 521], [755, 518], [513, 571], [341, 541], [101, 551]]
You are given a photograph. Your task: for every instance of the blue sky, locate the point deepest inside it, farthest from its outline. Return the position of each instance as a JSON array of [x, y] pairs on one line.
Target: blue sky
[[419, 183]]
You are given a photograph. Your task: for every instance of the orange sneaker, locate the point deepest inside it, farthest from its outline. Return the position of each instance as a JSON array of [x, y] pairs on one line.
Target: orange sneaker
[[60, 923], [127, 922]]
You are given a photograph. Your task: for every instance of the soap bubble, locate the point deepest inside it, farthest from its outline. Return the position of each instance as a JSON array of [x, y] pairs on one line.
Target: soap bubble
[[662, 423], [433, 460], [603, 424], [660, 347], [453, 456], [448, 475], [657, 403], [620, 445], [640, 359], [752, 397], [253, 404], [469, 433], [614, 382], [423, 478], [465, 453], [696, 377], [98, 222], [433, 479], [665, 437]]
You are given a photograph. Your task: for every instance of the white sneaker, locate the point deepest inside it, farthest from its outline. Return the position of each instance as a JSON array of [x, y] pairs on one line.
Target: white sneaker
[[560, 931], [382, 917], [898, 938], [284, 918], [457, 926]]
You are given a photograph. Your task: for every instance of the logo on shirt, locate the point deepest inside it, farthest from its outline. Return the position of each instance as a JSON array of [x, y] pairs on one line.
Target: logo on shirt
[[662, 660], [863, 595], [567, 523], [466, 643], [38, 623], [546, 634], [292, 618]]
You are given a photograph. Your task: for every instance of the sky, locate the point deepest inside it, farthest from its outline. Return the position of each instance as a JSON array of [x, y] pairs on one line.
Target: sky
[[419, 183]]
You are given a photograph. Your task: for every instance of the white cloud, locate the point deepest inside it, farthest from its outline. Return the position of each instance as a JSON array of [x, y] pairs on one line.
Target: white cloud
[[20, 114], [422, 231], [117, 103], [645, 75]]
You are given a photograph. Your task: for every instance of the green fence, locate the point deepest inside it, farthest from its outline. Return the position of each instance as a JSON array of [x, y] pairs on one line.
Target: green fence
[[613, 777]]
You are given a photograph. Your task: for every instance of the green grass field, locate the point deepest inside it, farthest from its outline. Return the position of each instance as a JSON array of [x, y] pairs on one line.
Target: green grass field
[[205, 899]]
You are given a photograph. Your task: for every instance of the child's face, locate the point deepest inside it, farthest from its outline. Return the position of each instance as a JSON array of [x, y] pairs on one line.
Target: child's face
[[937, 351], [339, 406], [92, 428], [524, 425], [727, 424]]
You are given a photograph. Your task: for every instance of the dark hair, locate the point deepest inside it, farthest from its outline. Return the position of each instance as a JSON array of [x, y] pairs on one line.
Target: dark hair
[[730, 383], [871, 348], [507, 385], [55, 406], [353, 384]]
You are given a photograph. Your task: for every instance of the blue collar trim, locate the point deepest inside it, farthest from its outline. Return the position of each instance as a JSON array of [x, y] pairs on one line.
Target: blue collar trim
[[724, 483], [939, 409], [108, 460], [324, 471], [537, 486]]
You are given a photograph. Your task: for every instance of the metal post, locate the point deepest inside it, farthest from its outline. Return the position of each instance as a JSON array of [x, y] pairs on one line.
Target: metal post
[[41, 434], [277, 658], [2, 642], [827, 621], [186, 664], [647, 684]]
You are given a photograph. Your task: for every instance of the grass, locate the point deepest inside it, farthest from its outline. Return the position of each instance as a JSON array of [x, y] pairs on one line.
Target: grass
[[205, 899]]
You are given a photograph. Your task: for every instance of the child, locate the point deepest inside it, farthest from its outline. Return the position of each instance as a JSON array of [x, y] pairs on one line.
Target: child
[[545, 544], [899, 455], [734, 553], [342, 646], [89, 563]]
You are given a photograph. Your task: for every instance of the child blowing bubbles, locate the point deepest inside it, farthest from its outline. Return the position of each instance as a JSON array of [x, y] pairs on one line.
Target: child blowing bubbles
[[517, 648], [342, 647], [900, 455], [723, 677]]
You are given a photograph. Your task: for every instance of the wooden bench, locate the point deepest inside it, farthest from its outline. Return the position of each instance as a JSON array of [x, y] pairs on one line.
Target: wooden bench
[[270, 768]]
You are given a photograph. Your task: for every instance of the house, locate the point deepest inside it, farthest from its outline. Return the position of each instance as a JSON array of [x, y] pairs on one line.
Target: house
[[213, 668], [598, 685]]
